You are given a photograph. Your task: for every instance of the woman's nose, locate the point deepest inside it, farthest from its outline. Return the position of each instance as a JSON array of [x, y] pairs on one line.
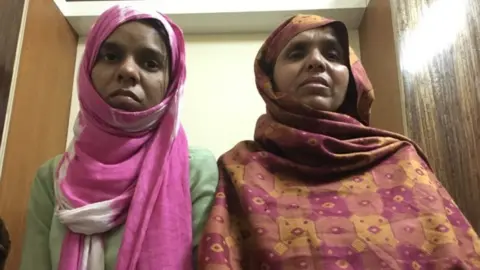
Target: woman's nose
[[128, 73], [316, 61]]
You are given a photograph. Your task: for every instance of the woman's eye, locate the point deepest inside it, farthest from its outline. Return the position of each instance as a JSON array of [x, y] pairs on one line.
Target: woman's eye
[[333, 56], [152, 65], [110, 57], [295, 54]]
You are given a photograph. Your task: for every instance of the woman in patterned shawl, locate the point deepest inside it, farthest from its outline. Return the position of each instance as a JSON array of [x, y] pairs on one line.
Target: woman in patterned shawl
[[320, 189]]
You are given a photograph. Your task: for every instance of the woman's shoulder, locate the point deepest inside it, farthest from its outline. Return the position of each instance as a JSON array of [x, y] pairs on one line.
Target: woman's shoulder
[[43, 181], [203, 171], [201, 159], [197, 154], [47, 169], [203, 167], [203, 184]]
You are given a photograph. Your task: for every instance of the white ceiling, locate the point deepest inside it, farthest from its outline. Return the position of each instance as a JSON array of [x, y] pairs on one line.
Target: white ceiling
[[214, 17]]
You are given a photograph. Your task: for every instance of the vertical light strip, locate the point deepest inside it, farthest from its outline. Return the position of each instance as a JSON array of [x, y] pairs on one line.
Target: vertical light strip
[[74, 104], [436, 30]]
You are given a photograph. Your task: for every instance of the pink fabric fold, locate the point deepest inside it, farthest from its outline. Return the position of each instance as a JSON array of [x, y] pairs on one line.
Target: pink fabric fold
[[127, 168]]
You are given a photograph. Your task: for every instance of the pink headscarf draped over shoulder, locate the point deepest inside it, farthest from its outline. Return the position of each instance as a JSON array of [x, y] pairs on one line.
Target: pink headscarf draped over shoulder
[[127, 168]]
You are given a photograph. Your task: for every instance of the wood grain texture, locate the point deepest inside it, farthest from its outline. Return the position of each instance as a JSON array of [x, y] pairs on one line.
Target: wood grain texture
[[439, 58], [11, 12], [379, 58], [39, 119]]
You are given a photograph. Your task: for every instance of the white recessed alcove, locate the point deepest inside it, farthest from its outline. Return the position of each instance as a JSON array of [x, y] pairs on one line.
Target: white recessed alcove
[[215, 17]]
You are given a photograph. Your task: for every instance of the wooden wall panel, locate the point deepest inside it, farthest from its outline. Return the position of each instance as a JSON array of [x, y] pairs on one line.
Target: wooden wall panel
[[11, 12], [379, 58], [440, 59], [39, 120]]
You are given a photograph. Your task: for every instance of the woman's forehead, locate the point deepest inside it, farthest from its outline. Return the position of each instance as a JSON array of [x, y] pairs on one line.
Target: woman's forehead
[[136, 32]]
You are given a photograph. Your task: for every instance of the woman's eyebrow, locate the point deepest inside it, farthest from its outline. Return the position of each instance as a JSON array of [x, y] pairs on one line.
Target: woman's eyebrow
[[151, 50], [296, 44], [155, 51], [110, 46], [333, 42]]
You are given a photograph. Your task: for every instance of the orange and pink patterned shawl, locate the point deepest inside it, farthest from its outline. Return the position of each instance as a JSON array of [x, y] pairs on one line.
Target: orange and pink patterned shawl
[[322, 190], [127, 168]]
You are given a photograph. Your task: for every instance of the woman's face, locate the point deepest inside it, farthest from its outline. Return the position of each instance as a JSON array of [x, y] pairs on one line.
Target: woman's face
[[131, 71], [312, 68]]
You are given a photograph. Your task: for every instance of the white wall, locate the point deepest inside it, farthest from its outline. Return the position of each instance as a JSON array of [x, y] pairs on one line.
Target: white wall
[[221, 103]]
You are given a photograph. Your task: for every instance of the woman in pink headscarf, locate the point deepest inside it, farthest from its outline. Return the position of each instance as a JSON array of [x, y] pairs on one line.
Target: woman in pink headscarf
[[128, 193]]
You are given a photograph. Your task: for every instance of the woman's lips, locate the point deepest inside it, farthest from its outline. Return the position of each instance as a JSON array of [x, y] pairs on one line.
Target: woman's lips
[[125, 93], [125, 100]]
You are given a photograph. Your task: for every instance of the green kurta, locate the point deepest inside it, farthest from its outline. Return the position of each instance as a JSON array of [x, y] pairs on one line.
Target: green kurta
[[44, 233]]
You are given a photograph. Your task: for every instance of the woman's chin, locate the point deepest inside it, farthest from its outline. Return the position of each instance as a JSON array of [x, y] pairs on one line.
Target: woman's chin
[[319, 103], [125, 103]]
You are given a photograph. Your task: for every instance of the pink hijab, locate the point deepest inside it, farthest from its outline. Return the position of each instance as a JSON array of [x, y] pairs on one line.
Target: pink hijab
[[127, 168]]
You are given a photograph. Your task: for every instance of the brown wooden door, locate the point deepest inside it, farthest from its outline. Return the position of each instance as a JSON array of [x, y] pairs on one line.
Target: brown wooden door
[[40, 111], [439, 60], [423, 57], [379, 57]]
